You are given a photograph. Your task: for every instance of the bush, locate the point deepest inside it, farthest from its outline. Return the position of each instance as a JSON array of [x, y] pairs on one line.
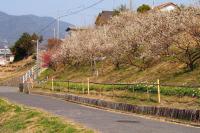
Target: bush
[[143, 8], [25, 46]]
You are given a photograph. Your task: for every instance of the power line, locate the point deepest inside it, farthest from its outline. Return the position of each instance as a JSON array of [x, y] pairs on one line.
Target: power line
[[83, 9], [52, 22], [44, 28], [72, 13]]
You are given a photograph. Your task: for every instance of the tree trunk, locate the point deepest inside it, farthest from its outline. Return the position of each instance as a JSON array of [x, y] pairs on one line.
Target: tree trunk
[[190, 66]]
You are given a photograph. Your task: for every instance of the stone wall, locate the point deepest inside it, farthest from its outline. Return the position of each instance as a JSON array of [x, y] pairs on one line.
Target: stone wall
[[182, 114], [13, 82]]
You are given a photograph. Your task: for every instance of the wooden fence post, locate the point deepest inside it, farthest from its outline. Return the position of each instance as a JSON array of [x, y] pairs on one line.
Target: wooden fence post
[[113, 90], [148, 95], [88, 86], [52, 85], [100, 91], [158, 86], [68, 85]]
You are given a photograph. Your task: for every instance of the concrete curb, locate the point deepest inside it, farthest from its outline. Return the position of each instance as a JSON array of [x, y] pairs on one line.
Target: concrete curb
[[172, 113]]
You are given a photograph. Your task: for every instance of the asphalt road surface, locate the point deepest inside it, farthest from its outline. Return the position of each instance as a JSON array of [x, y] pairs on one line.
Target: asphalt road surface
[[99, 120]]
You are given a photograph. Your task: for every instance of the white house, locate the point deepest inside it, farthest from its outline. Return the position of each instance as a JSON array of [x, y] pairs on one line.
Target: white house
[[6, 56], [166, 7]]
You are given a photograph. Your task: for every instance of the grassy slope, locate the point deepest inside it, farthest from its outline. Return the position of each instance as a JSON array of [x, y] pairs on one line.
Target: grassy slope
[[172, 73], [22, 120], [167, 72], [15, 69]]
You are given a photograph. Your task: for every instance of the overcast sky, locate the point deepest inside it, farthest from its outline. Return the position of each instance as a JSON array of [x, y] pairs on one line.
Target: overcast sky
[[54, 7]]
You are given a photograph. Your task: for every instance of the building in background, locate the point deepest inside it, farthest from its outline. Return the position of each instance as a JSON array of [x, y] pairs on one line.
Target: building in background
[[71, 30], [167, 7], [104, 17], [6, 55]]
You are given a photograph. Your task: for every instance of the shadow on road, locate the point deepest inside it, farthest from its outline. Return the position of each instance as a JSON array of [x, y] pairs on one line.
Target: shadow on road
[[127, 121]]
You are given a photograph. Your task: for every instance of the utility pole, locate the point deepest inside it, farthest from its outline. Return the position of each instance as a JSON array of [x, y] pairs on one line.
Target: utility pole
[[113, 4], [58, 27], [54, 33], [131, 5], [153, 3], [5, 49], [37, 52], [37, 56]]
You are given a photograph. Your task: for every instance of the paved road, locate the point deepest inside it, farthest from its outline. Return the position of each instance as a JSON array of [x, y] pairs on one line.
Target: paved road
[[100, 120]]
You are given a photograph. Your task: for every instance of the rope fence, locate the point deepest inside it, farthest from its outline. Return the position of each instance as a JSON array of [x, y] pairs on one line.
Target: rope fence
[[127, 90]]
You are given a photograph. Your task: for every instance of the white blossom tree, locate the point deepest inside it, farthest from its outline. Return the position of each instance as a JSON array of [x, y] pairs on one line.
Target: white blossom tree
[[137, 39]]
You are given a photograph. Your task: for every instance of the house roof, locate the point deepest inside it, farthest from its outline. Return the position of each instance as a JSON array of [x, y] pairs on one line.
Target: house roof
[[75, 29], [5, 50], [104, 17], [165, 5], [2, 46]]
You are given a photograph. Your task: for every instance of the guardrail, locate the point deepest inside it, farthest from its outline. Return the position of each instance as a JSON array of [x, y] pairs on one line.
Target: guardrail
[[32, 73], [15, 81]]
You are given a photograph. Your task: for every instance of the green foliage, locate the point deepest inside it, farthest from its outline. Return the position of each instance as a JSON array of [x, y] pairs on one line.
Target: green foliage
[[17, 109], [3, 107], [46, 73], [54, 125], [32, 114], [25, 46], [143, 8], [19, 119], [169, 91], [15, 124]]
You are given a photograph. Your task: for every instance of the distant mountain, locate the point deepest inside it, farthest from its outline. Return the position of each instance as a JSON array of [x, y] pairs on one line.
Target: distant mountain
[[11, 27]]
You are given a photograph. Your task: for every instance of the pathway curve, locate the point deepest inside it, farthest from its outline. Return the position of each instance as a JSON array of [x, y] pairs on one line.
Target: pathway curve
[[100, 120]]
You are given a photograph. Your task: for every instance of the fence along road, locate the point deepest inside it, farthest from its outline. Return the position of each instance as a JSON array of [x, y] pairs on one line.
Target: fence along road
[[15, 81], [100, 120]]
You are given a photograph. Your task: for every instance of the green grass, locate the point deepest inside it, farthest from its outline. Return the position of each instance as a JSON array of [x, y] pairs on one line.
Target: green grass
[[46, 73], [168, 72], [168, 91], [133, 94], [21, 119]]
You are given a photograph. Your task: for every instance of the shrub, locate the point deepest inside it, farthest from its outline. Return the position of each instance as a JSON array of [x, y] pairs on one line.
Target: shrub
[[143, 8]]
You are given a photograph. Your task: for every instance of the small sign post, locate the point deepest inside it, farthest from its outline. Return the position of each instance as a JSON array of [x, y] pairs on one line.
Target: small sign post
[[52, 85], [158, 86]]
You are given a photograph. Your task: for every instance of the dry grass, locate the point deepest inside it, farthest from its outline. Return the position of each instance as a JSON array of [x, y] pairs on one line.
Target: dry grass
[[167, 72], [20, 119], [15, 69], [136, 98]]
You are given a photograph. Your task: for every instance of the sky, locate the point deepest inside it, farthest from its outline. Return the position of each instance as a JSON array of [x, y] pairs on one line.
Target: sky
[[54, 8]]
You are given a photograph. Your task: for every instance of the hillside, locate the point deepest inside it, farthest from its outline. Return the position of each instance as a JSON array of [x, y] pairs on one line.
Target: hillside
[[13, 26], [167, 72], [15, 69], [170, 73], [135, 47]]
